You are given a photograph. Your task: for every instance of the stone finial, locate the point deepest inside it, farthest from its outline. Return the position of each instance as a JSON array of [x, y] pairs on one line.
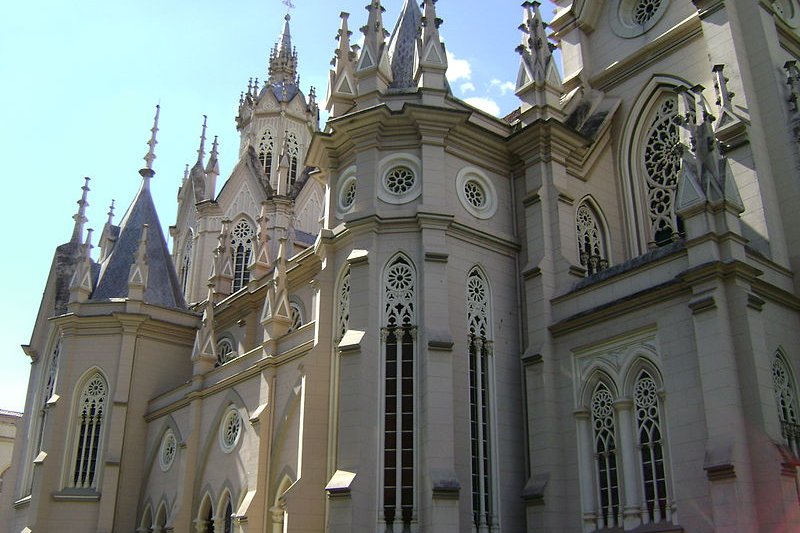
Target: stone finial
[[137, 278], [204, 351], [197, 174], [704, 177], [212, 168], [430, 57], [80, 217], [110, 220], [793, 82], [276, 316], [222, 274], [727, 116], [372, 67], [81, 285], [150, 156], [342, 88], [261, 261], [283, 59], [538, 81]]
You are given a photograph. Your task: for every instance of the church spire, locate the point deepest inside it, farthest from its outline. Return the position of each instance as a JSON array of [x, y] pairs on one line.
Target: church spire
[[430, 58], [80, 217], [212, 168], [283, 58], [147, 171]]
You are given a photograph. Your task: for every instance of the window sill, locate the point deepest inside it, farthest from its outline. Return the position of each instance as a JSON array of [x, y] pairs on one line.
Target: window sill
[[77, 495], [22, 502]]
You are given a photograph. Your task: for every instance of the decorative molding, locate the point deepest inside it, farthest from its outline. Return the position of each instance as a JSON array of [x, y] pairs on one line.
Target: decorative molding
[[700, 305], [436, 257]]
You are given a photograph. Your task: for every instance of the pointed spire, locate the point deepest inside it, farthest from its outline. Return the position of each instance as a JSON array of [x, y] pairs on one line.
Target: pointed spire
[[150, 156], [204, 352], [212, 168], [373, 68], [261, 261], [110, 220], [402, 45], [430, 58], [724, 102], [197, 174], [80, 217], [342, 88], [276, 316], [283, 59], [222, 273]]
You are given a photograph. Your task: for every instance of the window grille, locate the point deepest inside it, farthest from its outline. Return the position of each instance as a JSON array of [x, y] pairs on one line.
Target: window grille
[[90, 417], [266, 147], [787, 407], [293, 152], [228, 520], [398, 462], [661, 163], [186, 262], [343, 309], [591, 248], [225, 351]]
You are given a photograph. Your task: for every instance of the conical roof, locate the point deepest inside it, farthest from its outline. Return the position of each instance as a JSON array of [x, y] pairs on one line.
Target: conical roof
[[402, 45], [162, 282]]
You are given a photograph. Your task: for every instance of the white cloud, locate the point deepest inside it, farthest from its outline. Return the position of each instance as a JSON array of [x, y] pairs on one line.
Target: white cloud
[[457, 69], [484, 104], [503, 86], [467, 87]]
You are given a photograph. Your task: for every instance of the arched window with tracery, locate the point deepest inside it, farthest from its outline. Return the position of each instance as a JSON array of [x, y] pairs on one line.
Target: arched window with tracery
[[343, 307], [651, 446], [296, 315], [225, 351], [241, 250], [89, 422], [660, 165], [605, 453], [591, 240], [399, 332], [293, 153], [186, 262], [479, 352], [786, 398], [266, 147]]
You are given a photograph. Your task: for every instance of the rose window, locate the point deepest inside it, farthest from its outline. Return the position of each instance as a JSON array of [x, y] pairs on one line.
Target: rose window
[[645, 10], [400, 180], [475, 194], [230, 431]]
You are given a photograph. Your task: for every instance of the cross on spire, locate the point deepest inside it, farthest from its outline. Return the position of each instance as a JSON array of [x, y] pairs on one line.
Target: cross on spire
[[289, 5]]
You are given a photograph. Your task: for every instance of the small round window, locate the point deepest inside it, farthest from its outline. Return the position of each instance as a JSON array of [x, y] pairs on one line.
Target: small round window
[[231, 430], [476, 193], [347, 194], [169, 447], [400, 180], [631, 18], [225, 351]]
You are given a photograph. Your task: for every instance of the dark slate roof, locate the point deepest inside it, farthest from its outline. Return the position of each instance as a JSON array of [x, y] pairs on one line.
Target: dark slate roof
[[162, 282], [306, 238], [284, 91], [64, 262], [402, 44]]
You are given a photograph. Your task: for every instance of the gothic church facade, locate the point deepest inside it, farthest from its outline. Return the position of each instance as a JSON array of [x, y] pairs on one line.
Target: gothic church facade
[[581, 317]]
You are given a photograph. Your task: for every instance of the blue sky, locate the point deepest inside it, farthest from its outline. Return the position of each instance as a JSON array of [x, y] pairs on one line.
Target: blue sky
[[80, 81]]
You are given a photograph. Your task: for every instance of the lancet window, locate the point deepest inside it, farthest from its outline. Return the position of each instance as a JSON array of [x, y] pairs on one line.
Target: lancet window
[[399, 332], [90, 421], [480, 348], [266, 147], [241, 250], [786, 398], [651, 446], [605, 451], [293, 153], [186, 262], [227, 520], [591, 241], [661, 165], [343, 307]]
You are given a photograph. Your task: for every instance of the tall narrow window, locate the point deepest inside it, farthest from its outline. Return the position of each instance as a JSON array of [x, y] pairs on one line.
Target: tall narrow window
[[479, 399], [605, 452], [591, 246], [241, 249], [343, 307], [227, 521], [787, 406], [661, 164], [646, 402], [186, 262], [209, 521], [399, 332], [90, 417], [293, 153], [266, 147]]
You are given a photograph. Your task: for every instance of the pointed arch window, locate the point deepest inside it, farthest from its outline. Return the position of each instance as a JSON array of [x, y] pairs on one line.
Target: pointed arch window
[[186, 262], [293, 153], [227, 519], [786, 398], [266, 147], [605, 453], [660, 164], [296, 315], [399, 297], [591, 241], [241, 251], [480, 399], [343, 306], [651, 446], [89, 429]]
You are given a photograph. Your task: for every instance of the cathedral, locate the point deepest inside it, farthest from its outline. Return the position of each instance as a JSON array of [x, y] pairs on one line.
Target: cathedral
[[419, 317]]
